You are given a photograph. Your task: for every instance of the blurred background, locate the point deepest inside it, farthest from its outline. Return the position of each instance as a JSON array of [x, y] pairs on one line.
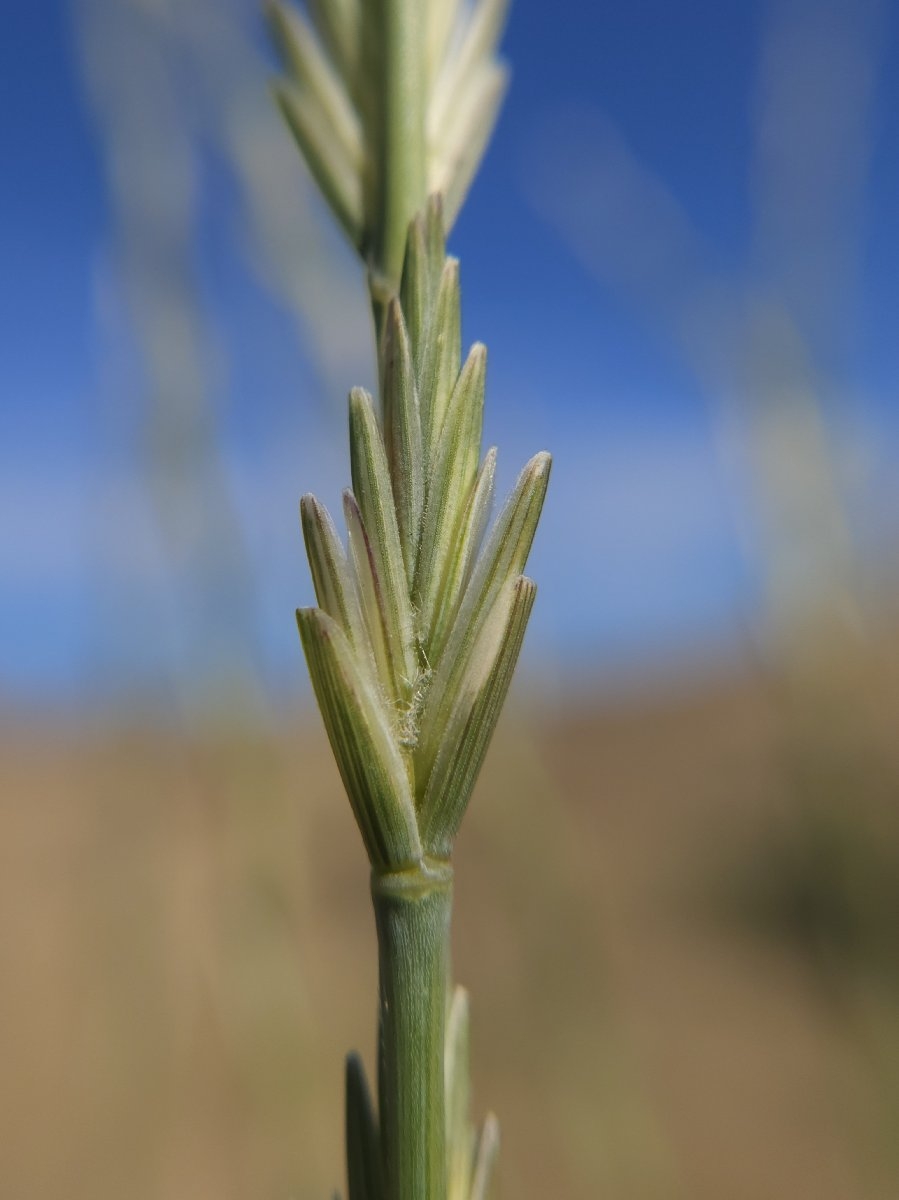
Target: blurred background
[[678, 885]]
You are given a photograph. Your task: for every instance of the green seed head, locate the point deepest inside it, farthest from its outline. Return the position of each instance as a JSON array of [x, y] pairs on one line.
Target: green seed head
[[419, 626]]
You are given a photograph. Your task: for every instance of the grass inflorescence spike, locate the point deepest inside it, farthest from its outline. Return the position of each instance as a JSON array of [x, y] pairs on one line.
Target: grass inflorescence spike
[[421, 615]]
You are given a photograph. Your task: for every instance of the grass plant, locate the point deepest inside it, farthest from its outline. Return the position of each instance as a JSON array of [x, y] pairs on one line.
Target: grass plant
[[420, 618]]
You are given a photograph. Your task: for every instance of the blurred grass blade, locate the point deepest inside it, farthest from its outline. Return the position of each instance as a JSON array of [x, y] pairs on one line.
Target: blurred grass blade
[[339, 23], [458, 1098], [464, 105], [483, 1184], [332, 578], [402, 433], [314, 75], [453, 475], [442, 19], [466, 733], [334, 171], [373, 491], [358, 727], [363, 1154], [478, 45], [465, 138], [464, 549]]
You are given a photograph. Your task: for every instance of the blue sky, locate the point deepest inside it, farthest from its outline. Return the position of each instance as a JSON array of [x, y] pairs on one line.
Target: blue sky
[[623, 201]]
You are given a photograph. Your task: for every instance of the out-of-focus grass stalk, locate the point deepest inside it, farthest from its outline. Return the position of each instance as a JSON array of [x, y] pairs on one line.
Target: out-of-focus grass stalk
[[421, 618], [167, 86]]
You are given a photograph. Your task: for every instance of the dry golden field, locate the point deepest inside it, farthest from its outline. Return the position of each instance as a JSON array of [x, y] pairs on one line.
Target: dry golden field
[[679, 931]]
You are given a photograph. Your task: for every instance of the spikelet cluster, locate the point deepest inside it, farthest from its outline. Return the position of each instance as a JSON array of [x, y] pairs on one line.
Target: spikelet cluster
[[420, 619], [333, 104]]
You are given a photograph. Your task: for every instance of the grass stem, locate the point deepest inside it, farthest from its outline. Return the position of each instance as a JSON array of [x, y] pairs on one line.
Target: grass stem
[[403, 171], [412, 913]]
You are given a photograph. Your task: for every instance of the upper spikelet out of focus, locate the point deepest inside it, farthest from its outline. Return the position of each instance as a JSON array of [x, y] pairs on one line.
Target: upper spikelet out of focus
[[337, 114]]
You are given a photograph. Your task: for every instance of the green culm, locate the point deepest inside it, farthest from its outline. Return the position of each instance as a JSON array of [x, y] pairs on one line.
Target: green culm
[[421, 617]]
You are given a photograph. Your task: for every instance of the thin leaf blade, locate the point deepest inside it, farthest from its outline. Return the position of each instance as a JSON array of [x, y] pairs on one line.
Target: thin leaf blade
[[364, 1173], [459, 1134], [483, 1186]]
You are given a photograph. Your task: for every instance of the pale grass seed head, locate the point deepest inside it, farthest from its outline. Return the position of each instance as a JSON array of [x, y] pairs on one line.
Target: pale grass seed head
[[418, 627], [420, 618]]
